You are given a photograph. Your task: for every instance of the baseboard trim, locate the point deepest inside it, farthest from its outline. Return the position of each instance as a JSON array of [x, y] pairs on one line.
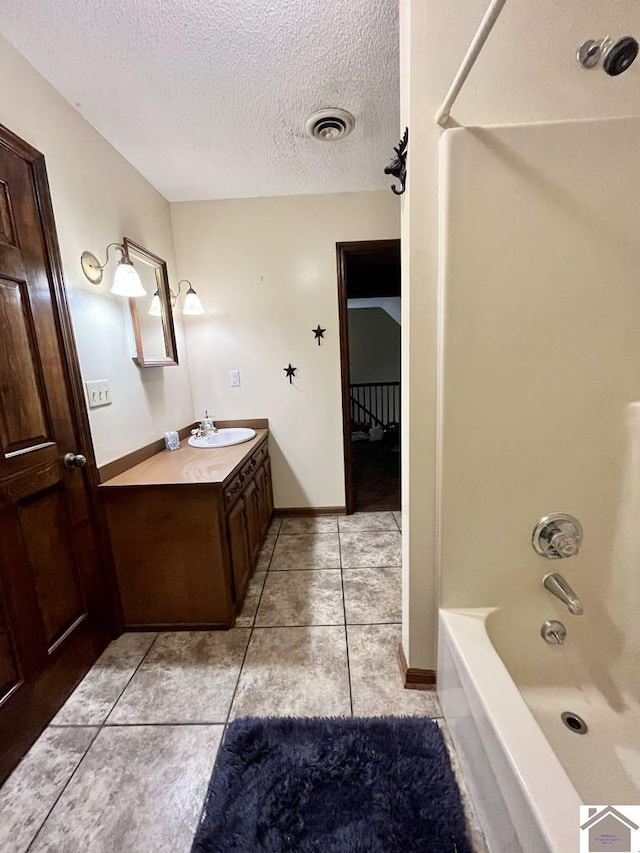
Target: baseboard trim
[[414, 678], [282, 511], [180, 626]]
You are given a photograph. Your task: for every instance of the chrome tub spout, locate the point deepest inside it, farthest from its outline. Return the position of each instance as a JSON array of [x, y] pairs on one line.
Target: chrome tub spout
[[558, 586]]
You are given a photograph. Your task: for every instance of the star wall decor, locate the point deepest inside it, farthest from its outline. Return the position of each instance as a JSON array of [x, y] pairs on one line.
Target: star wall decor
[[319, 333], [291, 372]]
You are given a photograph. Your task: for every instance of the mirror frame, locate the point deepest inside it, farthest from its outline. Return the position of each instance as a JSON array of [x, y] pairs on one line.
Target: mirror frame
[[135, 250]]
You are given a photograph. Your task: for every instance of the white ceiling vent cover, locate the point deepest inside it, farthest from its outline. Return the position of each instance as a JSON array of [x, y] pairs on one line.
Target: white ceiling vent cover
[[329, 125]]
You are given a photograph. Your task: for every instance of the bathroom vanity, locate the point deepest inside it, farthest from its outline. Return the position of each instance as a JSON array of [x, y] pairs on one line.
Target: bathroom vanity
[[186, 530]]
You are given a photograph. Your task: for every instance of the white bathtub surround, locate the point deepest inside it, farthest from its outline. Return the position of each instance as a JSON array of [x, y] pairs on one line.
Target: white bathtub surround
[[540, 413], [525, 800], [603, 764]]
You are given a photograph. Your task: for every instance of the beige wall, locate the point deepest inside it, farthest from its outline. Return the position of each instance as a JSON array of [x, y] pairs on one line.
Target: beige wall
[[527, 72], [374, 346], [542, 371], [98, 198], [424, 77], [266, 272]]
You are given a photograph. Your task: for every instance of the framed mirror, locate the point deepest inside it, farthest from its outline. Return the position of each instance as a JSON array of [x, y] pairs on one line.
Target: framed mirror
[[154, 333]]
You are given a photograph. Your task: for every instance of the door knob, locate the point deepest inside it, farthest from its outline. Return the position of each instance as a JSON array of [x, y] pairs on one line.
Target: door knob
[[75, 460]]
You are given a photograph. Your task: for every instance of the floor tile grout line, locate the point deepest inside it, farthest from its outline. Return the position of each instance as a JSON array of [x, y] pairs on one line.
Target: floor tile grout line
[[346, 635], [65, 786], [105, 723], [251, 630], [244, 657], [275, 545], [336, 568], [169, 724], [266, 575], [354, 529], [273, 550], [176, 724], [99, 727], [309, 569], [206, 793], [325, 625], [142, 660], [226, 723]]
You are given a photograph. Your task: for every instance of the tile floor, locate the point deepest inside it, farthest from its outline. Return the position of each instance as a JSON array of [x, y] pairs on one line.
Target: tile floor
[[125, 763]]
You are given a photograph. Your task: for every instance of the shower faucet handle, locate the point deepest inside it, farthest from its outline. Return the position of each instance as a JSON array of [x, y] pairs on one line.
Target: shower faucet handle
[[557, 536], [564, 544]]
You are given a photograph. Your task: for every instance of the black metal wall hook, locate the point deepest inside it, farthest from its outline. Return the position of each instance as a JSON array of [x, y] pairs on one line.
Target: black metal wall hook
[[290, 372], [398, 166]]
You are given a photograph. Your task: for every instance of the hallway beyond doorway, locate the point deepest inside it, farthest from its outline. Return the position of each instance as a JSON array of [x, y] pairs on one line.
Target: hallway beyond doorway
[[369, 307]]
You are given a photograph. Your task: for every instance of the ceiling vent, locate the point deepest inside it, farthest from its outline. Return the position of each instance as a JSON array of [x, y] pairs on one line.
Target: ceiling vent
[[329, 125]]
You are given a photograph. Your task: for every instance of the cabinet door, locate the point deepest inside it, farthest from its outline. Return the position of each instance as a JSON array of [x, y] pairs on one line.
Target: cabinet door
[[250, 498], [268, 489], [239, 548], [263, 516]]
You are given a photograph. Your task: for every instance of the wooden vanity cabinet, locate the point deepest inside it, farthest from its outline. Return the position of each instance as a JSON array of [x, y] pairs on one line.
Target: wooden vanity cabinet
[[185, 551]]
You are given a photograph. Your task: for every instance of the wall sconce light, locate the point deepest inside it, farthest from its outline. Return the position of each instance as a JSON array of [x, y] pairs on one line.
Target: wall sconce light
[[192, 304], [126, 281]]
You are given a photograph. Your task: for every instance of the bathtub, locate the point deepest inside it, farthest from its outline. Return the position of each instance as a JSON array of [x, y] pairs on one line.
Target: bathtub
[[525, 800]]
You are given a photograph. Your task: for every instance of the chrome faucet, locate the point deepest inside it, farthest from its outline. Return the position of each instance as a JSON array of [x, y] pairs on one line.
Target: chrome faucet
[[558, 586], [206, 427]]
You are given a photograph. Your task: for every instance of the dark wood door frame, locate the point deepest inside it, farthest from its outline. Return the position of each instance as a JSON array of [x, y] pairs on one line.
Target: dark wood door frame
[[39, 704], [343, 252]]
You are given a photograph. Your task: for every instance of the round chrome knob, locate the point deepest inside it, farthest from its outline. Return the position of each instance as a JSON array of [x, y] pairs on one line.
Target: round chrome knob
[[74, 460], [565, 544], [557, 536], [553, 632]]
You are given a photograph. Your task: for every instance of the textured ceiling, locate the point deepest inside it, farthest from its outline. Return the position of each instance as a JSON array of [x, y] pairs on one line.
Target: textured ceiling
[[207, 98]]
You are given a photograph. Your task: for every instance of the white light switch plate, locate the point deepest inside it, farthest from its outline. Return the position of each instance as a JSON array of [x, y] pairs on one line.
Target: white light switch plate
[[234, 377], [98, 393]]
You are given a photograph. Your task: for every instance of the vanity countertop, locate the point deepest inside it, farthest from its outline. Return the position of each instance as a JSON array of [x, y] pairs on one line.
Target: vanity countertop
[[187, 466]]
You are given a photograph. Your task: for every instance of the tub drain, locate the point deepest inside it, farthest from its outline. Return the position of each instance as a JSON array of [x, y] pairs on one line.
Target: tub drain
[[574, 722]]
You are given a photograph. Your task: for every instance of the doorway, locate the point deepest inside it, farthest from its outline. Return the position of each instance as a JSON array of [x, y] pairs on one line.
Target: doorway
[[369, 310]]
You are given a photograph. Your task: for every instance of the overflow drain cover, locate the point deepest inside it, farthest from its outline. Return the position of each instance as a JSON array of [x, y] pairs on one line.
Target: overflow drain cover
[[574, 722]]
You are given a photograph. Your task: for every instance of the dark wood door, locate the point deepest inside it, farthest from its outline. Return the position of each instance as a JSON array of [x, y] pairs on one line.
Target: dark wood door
[[239, 549], [53, 608]]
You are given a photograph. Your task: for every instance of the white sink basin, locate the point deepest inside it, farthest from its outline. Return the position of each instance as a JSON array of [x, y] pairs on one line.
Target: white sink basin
[[223, 438]]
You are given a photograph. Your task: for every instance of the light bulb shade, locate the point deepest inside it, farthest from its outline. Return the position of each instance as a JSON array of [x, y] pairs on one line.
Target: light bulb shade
[[156, 307], [192, 304], [126, 281]]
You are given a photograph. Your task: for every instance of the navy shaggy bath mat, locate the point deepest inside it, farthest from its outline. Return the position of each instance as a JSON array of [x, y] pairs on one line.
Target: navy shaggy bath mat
[[362, 785]]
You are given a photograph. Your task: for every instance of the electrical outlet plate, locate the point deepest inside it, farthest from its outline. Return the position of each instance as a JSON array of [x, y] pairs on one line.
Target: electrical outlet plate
[[234, 377], [98, 393]]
